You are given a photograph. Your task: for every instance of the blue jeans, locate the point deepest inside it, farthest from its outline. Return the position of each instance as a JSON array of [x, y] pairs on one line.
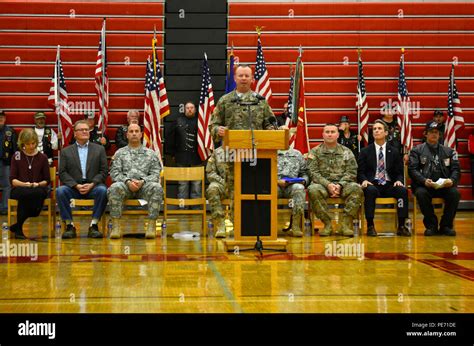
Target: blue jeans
[[183, 190], [64, 194], [5, 184]]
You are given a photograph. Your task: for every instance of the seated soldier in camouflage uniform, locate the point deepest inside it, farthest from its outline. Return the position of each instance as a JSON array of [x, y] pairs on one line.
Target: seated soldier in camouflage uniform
[[291, 164], [220, 174], [136, 174], [333, 171]]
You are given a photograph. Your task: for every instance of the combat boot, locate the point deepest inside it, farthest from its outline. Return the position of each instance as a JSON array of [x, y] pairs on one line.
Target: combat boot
[[295, 230], [220, 228], [151, 229], [327, 230], [346, 226], [116, 232]]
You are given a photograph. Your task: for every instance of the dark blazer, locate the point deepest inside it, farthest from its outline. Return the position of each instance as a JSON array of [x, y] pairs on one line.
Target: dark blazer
[[70, 172], [367, 164]]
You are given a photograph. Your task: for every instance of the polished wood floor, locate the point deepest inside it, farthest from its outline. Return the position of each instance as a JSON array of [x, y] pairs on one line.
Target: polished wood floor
[[389, 274]]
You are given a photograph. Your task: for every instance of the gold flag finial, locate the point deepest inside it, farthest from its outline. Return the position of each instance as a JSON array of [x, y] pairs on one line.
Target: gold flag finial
[[259, 29], [359, 52], [403, 50]]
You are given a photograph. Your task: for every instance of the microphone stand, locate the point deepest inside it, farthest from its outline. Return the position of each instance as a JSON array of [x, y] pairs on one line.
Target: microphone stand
[[258, 244]]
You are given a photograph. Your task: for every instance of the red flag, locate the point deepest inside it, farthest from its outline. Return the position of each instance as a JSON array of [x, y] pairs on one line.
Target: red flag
[[301, 142], [206, 107], [58, 100]]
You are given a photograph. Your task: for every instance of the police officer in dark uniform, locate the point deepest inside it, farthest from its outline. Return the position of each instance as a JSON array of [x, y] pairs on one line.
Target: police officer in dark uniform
[[47, 138], [183, 139], [133, 117], [438, 116], [434, 170], [8, 146], [348, 138], [95, 135]]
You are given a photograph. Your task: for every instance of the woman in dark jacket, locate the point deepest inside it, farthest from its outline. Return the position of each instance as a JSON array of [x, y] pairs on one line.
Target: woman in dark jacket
[[29, 178]]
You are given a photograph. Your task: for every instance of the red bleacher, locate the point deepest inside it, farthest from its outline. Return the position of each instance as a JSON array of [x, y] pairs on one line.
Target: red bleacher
[[433, 34]]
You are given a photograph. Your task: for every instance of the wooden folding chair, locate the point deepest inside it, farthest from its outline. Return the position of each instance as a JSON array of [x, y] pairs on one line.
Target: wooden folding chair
[[185, 174]]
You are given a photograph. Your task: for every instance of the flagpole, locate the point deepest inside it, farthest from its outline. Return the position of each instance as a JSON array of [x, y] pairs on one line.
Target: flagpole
[[358, 100], [56, 93]]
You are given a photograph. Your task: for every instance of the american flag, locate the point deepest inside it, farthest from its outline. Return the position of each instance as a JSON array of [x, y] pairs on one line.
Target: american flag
[[151, 118], [404, 108], [156, 102], [102, 82], [261, 74], [362, 105], [58, 100], [455, 118], [206, 107]]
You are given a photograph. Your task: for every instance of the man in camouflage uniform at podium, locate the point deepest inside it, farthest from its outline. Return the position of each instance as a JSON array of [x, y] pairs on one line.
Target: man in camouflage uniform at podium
[[333, 170], [135, 172], [220, 174], [230, 114], [291, 164]]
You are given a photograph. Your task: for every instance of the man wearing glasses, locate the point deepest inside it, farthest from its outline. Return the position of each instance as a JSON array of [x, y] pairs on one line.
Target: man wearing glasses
[[82, 171]]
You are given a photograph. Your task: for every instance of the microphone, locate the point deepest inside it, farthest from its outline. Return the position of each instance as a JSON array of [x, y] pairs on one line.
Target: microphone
[[258, 96]]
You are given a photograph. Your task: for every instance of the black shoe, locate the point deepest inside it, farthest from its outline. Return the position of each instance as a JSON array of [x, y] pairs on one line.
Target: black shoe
[[448, 231], [431, 232], [371, 231], [403, 231], [17, 231], [70, 232], [94, 232]]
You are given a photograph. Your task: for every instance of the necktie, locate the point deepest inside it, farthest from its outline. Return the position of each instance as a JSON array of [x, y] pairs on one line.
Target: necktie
[[381, 168]]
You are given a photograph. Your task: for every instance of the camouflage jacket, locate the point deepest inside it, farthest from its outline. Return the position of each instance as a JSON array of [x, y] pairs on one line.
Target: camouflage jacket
[[336, 165], [140, 163], [230, 114], [218, 170], [291, 164]]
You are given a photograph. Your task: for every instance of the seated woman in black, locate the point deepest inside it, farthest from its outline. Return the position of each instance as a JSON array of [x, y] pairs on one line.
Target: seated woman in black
[[29, 178]]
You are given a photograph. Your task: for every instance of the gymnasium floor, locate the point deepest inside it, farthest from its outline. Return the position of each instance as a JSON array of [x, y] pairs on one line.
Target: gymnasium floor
[[390, 274]]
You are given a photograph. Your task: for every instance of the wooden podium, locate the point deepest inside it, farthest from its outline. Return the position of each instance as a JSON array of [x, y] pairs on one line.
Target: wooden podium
[[267, 142]]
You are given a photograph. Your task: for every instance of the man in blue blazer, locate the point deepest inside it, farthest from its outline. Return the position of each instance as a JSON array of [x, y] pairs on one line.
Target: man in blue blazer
[[380, 173], [82, 171]]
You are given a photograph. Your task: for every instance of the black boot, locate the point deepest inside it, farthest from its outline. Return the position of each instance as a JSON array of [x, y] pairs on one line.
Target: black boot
[[17, 231]]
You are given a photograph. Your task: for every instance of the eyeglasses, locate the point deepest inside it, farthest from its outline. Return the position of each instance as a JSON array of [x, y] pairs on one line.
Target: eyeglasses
[[82, 130]]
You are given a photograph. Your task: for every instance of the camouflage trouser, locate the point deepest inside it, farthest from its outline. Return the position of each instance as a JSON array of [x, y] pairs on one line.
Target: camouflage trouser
[[150, 192], [351, 194], [297, 193], [215, 194]]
